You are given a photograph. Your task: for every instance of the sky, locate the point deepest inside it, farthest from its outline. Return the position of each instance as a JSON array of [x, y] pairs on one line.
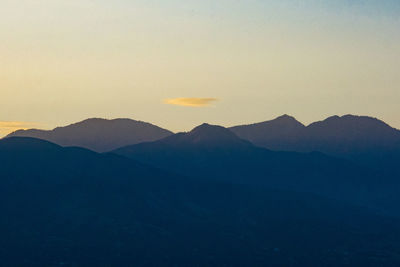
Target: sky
[[178, 64]]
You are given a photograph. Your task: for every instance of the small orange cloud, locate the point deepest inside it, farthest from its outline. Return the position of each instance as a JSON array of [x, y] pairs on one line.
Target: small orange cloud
[[7, 127], [190, 102]]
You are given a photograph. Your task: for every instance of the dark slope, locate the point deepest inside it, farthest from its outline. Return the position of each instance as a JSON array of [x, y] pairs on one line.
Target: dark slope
[[235, 160], [99, 134], [69, 206]]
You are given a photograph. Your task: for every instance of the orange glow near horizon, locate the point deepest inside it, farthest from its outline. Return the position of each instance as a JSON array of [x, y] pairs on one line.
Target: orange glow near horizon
[[67, 60], [7, 127]]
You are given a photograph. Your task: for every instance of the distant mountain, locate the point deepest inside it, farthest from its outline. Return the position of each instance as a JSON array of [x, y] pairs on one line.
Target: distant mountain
[[215, 153], [342, 136], [206, 135], [99, 135], [74, 207], [281, 133], [351, 135], [366, 140]]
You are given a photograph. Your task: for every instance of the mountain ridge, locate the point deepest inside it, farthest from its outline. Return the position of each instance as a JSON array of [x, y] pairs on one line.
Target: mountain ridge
[[344, 136], [212, 135], [81, 208], [100, 135], [335, 135], [249, 164]]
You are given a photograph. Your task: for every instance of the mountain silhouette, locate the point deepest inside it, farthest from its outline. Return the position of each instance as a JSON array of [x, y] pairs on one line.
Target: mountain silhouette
[[351, 134], [206, 135], [342, 136], [365, 140], [72, 206], [226, 157], [281, 133], [99, 135]]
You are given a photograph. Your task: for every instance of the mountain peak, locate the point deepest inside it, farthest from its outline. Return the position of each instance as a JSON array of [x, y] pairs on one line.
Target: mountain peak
[[281, 121], [102, 122], [211, 135], [206, 136], [284, 128], [286, 120], [286, 117], [206, 128], [352, 122]]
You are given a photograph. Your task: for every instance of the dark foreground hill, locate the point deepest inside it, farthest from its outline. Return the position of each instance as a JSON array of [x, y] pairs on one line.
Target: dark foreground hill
[[215, 153], [74, 207], [99, 135]]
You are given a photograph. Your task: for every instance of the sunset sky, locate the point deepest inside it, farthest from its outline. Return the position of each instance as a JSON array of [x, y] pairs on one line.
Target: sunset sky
[[180, 63]]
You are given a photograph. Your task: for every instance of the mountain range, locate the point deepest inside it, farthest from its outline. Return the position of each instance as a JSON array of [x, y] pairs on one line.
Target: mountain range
[[215, 153], [75, 207], [362, 139], [122, 192], [347, 136]]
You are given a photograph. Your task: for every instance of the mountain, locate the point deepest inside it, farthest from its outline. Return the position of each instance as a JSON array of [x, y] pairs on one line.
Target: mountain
[[281, 133], [74, 207], [351, 135], [225, 157], [99, 135], [206, 136], [366, 140], [342, 136]]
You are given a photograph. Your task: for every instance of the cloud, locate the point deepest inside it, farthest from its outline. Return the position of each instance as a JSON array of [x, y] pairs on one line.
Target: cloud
[[7, 127], [190, 102]]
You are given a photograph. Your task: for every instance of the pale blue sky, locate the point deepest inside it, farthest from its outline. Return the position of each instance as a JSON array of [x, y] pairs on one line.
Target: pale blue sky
[[66, 60]]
